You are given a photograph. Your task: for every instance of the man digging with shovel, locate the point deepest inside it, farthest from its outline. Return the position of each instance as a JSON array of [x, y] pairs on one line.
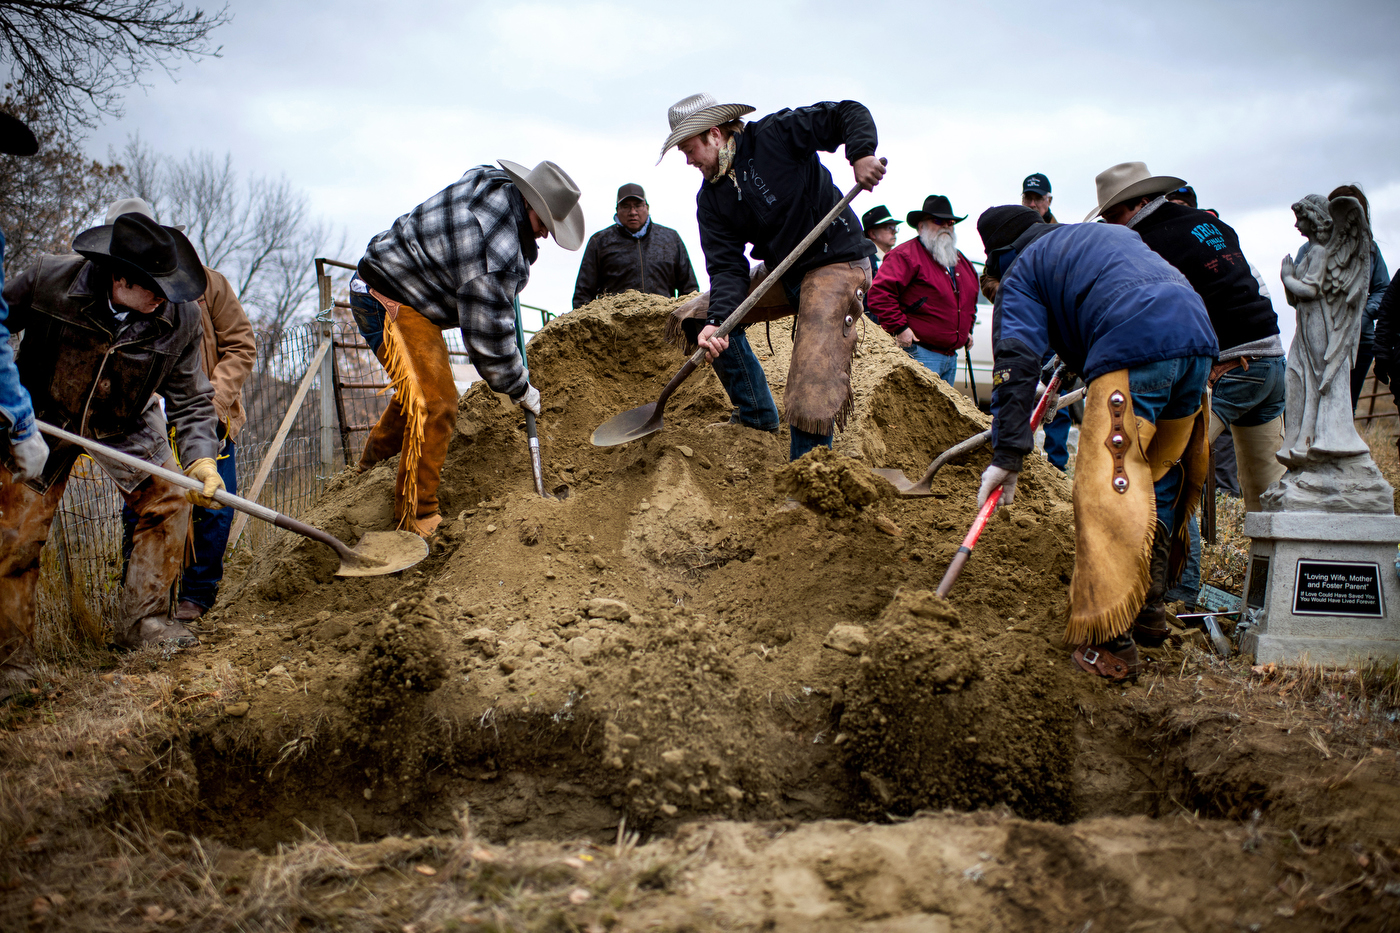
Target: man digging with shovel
[[106, 328], [1131, 325], [764, 185], [460, 258]]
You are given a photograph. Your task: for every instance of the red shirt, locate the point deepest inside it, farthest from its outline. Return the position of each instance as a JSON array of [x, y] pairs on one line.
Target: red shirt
[[907, 274]]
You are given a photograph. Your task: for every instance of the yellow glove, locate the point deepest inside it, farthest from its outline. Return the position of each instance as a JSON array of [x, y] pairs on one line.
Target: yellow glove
[[205, 470]]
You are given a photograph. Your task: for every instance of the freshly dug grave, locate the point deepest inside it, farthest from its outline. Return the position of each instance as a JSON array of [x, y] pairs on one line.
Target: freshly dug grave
[[672, 639]]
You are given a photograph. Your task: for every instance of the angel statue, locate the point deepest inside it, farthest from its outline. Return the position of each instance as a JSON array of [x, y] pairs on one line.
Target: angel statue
[[1329, 465]]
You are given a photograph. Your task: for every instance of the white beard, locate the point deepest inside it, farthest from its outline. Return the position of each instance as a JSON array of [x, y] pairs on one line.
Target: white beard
[[942, 245]]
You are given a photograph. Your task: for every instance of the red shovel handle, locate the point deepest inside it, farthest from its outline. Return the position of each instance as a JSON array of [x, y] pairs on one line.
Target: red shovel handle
[[984, 515]]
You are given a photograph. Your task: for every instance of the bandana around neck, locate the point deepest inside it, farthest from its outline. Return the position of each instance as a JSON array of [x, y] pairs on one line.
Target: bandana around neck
[[726, 162]]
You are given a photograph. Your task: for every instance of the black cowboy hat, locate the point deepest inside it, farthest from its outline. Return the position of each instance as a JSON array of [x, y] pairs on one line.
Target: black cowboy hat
[[877, 216], [162, 256], [15, 137], [937, 207]]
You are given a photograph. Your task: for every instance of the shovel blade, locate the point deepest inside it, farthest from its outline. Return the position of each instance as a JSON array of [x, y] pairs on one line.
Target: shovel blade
[[904, 484], [381, 552], [631, 425]]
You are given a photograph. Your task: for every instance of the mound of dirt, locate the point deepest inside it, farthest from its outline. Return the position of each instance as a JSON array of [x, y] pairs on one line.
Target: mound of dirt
[[941, 718], [669, 641], [831, 484]]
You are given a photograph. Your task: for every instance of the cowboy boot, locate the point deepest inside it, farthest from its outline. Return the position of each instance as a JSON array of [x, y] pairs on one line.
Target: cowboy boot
[[1116, 660], [155, 630], [1150, 627]]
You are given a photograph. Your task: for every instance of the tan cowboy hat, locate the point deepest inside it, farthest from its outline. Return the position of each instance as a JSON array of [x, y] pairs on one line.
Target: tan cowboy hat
[[134, 206], [1128, 180], [554, 196], [696, 114]]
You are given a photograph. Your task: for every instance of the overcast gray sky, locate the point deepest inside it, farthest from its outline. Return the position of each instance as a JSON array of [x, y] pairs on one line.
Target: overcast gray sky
[[373, 107]]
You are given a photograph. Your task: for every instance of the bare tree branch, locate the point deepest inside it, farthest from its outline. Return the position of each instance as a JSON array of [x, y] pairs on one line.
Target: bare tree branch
[[256, 231], [79, 55], [49, 198]]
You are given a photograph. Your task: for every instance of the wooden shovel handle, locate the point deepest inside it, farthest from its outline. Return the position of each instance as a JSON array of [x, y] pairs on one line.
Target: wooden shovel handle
[[737, 315], [223, 497]]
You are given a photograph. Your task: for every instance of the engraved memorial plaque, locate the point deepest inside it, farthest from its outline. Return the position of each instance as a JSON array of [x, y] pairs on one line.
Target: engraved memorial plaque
[[1338, 588]]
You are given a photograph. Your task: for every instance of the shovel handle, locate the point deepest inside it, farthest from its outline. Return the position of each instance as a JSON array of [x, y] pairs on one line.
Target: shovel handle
[[223, 497], [965, 551], [536, 466]]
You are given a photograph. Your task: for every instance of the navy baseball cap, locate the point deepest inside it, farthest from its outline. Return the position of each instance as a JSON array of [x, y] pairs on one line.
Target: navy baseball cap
[[1037, 184]]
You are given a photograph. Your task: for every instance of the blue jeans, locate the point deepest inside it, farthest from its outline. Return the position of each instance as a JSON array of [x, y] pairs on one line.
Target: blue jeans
[[209, 531], [1253, 397], [210, 528], [944, 364], [1162, 391], [1189, 586], [369, 317], [1057, 440], [742, 376]]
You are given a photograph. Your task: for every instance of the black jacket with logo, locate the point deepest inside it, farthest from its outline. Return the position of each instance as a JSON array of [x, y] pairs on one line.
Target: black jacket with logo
[[656, 263], [783, 190], [1206, 250], [93, 376]]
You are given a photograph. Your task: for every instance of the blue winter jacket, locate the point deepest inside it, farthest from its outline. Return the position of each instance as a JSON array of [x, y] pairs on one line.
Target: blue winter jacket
[[16, 410], [1097, 296]]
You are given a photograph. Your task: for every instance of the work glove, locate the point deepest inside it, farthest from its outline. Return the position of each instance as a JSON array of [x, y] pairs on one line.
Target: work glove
[[207, 472], [530, 401], [29, 455], [1382, 370], [994, 476]]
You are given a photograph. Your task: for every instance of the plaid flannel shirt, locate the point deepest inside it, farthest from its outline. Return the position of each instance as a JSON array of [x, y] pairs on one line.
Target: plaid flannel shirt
[[457, 259]]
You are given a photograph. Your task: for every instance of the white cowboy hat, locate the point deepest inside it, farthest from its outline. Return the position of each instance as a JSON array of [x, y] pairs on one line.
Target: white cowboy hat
[[1128, 180], [554, 196], [696, 114], [134, 206]]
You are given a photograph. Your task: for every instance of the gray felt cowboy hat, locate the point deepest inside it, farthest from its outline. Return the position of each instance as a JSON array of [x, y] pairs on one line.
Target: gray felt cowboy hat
[[1127, 181], [554, 196], [134, 206], [696, 114]]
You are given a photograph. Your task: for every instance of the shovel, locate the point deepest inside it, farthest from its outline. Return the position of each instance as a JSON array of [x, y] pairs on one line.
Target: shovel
[[923, 487], [379, 552], [637, 423]]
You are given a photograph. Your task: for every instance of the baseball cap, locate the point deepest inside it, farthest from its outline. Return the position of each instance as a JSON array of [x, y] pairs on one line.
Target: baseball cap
[[1036, 183]]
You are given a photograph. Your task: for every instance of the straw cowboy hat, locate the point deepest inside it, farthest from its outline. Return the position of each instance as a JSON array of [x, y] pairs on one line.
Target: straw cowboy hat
[[696, 114], [134, 206], [162, 255], [1126, 181], [554, 196]]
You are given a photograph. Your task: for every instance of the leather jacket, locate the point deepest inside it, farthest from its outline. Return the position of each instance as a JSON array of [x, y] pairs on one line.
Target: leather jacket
[[93, 375]]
